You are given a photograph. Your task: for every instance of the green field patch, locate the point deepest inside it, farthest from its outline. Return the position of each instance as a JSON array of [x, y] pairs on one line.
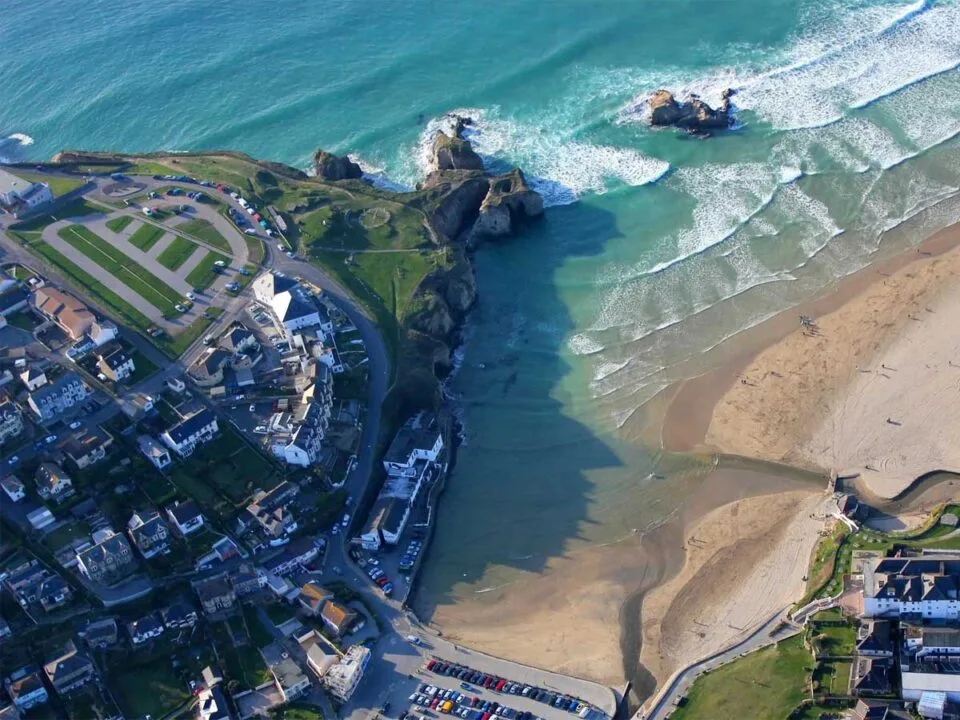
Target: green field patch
[[75, 209], [23, 320], [176, 253], [204, 274], [205, 232], [146, 236], [119, 223], [153, 689], [768, 683], [150, 288], [93, 287], [143, 366]]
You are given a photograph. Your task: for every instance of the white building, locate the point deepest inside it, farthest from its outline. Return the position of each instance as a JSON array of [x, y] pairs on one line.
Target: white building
[[420, 438], [291, 306], [11, 421], [199, 428], [343, 678], [15, 191], [926, 587], [13, 488], [302, 447], [154, 452], [117, 365], [102, 332], [58, 396], [186, 517]]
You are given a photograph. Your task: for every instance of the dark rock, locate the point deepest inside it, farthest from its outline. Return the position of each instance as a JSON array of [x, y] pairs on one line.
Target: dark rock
[[691, 114], [332, 168], [508, 200], [453, 153]]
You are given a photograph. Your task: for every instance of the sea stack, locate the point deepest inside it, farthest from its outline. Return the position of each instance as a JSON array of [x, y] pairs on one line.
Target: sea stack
[[332, 167], [691, 114]]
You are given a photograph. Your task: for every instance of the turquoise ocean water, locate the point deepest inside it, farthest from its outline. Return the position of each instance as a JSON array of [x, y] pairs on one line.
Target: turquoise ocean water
[[656, 247]]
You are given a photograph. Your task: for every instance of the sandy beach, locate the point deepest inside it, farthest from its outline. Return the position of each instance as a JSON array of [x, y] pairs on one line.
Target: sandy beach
[[868, 390]]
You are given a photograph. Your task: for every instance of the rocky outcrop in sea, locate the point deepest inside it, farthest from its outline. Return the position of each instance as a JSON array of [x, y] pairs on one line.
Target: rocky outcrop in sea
[[332, 167], [691, 114]]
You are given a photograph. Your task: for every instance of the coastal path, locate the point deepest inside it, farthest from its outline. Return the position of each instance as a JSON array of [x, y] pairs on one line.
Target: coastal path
[[776, 628]]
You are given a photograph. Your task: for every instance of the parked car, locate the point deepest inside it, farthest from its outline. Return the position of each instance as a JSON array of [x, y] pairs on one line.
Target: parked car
[[14, 460], [75, 424]]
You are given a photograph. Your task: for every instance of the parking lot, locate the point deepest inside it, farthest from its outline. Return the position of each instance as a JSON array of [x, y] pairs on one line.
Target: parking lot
[[455, 689]]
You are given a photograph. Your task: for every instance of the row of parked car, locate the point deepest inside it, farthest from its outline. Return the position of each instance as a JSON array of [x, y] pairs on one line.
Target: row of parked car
[[498, 684], [410, 556], [381, 579], [451, 702]]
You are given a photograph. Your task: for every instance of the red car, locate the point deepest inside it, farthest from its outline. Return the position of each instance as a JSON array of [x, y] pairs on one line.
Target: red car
[[434, 703], [500, 684], [382, 580], [431, 664]]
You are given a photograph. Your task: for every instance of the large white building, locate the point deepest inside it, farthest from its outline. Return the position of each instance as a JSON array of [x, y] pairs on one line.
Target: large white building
[[291, 306], [17, 192], [343, 678], [926, 587]]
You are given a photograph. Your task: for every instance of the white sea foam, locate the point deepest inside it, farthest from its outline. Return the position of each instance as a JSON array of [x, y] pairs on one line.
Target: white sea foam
[[867, 55], [560, 168], [21, 138], [582, 344]]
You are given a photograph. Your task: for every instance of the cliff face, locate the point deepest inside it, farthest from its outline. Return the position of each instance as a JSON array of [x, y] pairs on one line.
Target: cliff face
[[453, 153], [332, 167], [508, 201]]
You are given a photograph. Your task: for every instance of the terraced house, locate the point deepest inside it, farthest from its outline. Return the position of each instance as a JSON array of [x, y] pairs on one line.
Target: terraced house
[[108, 561], [199, 428], [117, 365], [86, 447], [57, 397], [73, 317], [70, 671], [149, 534]]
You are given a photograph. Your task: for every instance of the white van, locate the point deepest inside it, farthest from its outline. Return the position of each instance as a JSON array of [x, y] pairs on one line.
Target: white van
[[242, 203]]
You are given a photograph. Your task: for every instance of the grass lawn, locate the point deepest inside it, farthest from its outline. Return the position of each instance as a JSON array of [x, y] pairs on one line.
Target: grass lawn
[[768, 683], [205, 232], [260, 636], [119, 223], [58, 185], [279, 613], [255, 252], [149, 690], [31, 229], [203, 274], [143, 368], [23, 320], [146, 236], [178, 344], [19, 272], [835, 639], [299, 711], [93, 287], [65, 534], [150, 288], [229, 467], [177, 253], [832, 677]]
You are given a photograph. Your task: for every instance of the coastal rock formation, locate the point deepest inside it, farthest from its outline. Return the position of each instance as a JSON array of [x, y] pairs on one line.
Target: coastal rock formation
[[332, 167], [691, 114], [453, 152], [455, 200], [509, 199]]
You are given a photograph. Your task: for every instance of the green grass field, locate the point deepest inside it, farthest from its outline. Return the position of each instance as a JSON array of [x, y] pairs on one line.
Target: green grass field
[[834, 639], [177, 253], [143, 368], [768, 683], [203, 274], [150, 288], [205, 232], [30, 230], [93, 287], [151, 690], [119, 223], [146, 236]]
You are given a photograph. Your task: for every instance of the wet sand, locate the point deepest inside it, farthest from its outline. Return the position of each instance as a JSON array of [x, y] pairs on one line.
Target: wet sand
[[574, 616]]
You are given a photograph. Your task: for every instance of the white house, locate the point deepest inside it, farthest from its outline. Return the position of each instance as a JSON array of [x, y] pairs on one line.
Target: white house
[[102, 332], [343, 678], [199, 428], [117, 365], [186, 517], [154, 451], [145, 629], [303, 447], [33, 378], [420, 438], [13, 488], [15, 191], [52, 482]]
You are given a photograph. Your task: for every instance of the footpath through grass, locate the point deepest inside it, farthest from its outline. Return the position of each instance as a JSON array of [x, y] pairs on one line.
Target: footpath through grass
[[146, 236], [177, 253], [119, 223], [205, 232], [768, 683], [203, 274], [150, 288]]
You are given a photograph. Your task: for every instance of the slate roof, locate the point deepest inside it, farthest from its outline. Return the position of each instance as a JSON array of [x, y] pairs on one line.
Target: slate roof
[[115, 359], [877, 638], [291, 305], [184, 429], [56, 388], [184, 512]]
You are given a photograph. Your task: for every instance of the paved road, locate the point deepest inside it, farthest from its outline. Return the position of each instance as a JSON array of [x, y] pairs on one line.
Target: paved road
[[774, 630]]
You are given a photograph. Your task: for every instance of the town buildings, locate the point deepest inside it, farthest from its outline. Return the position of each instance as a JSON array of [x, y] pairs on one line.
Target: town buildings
[[216, 594], [156, 453], [108, 561], [337, 618], [57, 397], [117, 364], [70, 671], [71, 315], [86, 447], [13, 488], [185, 516], [343, 678], [149, 534], [52, 482], [25, 688], [197, 429]]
